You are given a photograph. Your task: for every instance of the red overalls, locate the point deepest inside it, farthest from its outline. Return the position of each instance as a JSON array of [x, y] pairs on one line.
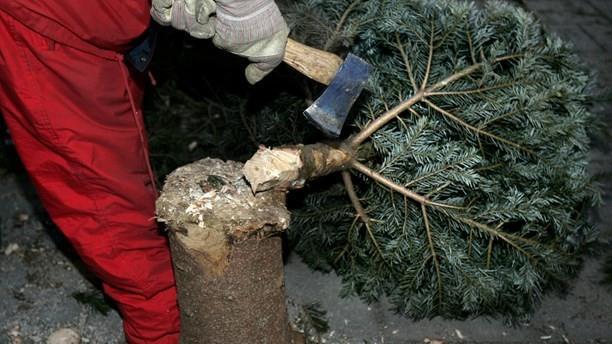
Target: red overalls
[[74, 112]]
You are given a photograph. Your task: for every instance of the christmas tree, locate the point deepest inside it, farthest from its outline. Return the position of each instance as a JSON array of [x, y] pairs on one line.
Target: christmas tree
[[468, 190], [465, 191]]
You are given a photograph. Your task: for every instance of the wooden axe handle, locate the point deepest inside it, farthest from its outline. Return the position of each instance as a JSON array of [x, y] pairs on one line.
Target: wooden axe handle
[[316, 64]]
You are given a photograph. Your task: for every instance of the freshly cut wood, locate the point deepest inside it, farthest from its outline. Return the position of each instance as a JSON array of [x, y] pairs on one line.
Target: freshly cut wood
[[289, 167], [227, 254]]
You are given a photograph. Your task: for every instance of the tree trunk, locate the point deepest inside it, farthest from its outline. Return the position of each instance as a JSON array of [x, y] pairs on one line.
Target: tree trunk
[[289, 167], [227, 255]]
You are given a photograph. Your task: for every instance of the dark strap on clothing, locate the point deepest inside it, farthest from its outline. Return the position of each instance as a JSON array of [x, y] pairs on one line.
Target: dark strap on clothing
[[141, 55]]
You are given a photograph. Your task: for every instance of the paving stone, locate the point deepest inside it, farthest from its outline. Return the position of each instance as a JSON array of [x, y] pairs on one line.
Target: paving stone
[[602, 64], [563, 13], [541, 6], [600, 33], [602, 7], [574, 34], [559, 18], [576, 8]]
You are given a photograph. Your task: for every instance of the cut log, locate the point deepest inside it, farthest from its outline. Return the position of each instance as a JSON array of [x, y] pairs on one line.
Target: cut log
[[289, 167], [227, 255]]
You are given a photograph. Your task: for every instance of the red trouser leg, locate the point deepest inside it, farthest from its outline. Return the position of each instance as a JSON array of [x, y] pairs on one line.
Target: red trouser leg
[[79, 136]]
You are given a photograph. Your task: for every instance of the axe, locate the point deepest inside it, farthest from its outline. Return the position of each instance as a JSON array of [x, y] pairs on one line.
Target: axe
[[345, 79]]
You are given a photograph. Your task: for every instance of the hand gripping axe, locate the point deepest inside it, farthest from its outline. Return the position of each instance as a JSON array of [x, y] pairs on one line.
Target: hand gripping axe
[[345, 79]]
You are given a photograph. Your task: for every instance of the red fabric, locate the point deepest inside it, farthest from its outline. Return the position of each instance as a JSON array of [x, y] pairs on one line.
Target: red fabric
[[75, 118], [91, 25]]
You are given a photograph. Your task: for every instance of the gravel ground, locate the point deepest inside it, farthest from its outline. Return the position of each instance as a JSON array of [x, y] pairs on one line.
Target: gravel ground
[[39, 274]]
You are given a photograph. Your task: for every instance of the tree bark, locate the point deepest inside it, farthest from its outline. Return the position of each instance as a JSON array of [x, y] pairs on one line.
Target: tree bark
[[227, 255]]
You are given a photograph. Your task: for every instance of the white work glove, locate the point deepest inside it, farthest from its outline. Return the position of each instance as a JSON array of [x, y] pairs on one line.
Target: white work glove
[[193, 16], [254, 29]]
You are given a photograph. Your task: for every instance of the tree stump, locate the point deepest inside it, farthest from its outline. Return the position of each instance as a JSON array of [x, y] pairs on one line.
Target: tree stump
[[227, 254]]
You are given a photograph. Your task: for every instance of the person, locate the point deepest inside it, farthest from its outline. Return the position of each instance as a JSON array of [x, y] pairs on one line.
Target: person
[[73, 108]]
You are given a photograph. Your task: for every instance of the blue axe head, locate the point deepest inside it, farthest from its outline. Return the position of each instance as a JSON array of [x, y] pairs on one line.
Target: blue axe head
[[329, 112]]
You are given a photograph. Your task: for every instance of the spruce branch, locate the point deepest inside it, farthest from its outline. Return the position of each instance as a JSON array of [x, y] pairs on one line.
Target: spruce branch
[[424, 201], [379, 178], [469, 70], [402, 122], [405, 222], [406, 61], [507, 237], [384, 118], [450, 31], [454, 77], [429, 58], [434, 256], [470, 44], [340, 24], [349, 232], [438, 189], [489, 252], [469, 242], [500, 117], [375, 243], [475, 130], [350, 190], [414, 112], [471, 91], [435, 172]]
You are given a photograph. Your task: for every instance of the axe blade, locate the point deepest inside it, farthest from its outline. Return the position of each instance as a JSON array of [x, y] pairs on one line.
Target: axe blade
[[328, 113]]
